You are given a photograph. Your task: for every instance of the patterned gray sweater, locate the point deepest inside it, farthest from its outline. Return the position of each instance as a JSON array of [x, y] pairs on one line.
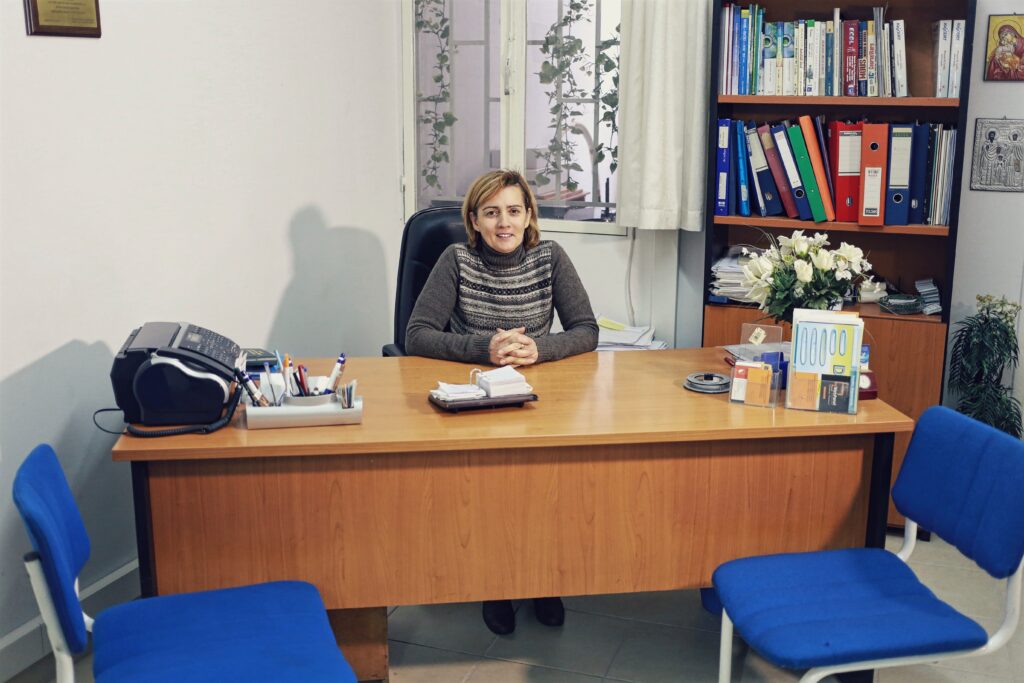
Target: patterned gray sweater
[[472, 292]]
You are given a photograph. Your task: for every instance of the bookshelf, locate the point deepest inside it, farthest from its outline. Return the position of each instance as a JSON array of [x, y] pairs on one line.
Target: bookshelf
[[907, 352]]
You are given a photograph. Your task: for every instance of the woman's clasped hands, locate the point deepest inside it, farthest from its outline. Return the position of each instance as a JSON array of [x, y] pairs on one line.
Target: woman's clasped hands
[[513, 347]]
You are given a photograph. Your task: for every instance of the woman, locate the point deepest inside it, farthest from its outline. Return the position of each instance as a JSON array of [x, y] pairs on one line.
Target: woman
[[492, 300]]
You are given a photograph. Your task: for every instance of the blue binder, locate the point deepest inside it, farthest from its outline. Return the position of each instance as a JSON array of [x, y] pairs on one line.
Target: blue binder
[[918, 211], [768, 200], [803, 207], [722, 167], [743, 188], [897, 194]]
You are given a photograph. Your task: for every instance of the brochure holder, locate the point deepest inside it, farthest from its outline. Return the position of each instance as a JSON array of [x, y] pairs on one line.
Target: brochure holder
[[759, 372]]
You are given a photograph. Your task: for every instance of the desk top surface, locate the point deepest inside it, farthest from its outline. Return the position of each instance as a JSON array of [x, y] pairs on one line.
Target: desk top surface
[[597, 398]]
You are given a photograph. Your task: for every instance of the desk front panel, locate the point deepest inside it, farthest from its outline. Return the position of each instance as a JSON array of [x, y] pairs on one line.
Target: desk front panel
[[415, 528]]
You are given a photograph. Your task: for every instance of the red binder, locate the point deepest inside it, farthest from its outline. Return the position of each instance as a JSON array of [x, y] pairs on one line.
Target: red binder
[[814, 154], [874, 155], [844, 152], [771, 152]]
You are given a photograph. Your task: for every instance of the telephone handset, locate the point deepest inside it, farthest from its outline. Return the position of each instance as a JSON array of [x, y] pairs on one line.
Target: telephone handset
[[176, 374]]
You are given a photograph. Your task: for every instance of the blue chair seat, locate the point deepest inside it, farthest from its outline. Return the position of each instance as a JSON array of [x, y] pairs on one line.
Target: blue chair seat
[[817, 609], [155, 640]]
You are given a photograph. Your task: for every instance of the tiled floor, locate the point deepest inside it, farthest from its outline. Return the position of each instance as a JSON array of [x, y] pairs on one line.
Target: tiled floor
[[649, 637]]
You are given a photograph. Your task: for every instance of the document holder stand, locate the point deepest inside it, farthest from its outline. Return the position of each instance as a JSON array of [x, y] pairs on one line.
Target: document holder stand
[[327, 411]]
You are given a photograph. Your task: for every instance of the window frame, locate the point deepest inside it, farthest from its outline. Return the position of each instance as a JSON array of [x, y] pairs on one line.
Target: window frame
[[512, 112]]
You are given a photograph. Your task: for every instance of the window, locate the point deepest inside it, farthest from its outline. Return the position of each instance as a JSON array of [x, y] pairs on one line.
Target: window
[[511, 83]]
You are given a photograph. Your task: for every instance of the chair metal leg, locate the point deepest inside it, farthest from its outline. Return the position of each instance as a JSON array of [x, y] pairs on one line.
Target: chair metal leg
[[65, 667], [725, 650]]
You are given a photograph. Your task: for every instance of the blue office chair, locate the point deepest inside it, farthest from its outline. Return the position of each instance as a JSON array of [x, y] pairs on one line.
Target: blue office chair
[[269, 632], [427, 234], [863, 608]]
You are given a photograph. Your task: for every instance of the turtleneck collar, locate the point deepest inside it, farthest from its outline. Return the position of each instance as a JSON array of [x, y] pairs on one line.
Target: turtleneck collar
[[498, 260]]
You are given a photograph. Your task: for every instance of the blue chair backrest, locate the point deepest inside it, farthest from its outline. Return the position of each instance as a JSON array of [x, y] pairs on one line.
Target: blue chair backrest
[[55, 528], [427, 234], [964, 481]]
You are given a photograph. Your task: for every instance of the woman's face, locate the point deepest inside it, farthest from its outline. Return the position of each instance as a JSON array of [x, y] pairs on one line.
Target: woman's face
[[501, 220]]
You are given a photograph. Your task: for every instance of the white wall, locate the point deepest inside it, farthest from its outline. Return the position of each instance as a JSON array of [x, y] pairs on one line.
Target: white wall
[[232, 164], [990, 238]]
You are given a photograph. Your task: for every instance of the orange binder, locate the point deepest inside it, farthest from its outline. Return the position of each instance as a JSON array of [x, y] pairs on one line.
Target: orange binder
[[844, 162], [814, 154], [874, 155]]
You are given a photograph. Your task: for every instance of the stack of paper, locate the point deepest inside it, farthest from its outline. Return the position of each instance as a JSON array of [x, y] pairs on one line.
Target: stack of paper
[[930, 295], [727, 276], [628, 339]]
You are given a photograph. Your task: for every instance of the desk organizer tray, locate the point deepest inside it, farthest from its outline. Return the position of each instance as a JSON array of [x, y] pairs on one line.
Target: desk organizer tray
[[479, 403], [313, 414]]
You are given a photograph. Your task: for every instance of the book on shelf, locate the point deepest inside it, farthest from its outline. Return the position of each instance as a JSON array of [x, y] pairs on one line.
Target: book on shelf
[[830, 54], [899, 57], [956, 57], [872, 173], [942, 37]]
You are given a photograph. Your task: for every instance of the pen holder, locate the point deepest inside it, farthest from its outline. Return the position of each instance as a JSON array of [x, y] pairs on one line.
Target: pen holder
[[309, 401], [305, 411]]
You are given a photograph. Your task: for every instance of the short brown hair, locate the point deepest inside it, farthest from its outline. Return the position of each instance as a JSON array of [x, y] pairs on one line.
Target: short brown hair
[[490, 184]]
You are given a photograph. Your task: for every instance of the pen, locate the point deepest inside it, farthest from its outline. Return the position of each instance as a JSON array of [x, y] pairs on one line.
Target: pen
[[730, 360], [254, 392], [270, 383], [302, 380], [336, 373]]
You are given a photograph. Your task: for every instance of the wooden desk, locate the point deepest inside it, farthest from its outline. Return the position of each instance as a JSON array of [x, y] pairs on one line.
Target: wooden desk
[[617, 480]]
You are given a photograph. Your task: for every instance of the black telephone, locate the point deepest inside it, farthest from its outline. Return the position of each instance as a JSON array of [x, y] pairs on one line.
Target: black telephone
[[176, 374]]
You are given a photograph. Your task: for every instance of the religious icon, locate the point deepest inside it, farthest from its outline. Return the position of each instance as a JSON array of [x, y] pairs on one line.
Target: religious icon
[[998, 163], [1004, 52]]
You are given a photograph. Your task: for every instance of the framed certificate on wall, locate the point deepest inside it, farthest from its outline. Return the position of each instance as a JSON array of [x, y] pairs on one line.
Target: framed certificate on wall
[[63, 18]]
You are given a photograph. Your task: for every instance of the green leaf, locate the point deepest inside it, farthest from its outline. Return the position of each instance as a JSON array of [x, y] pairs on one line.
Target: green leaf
[[443, 140]]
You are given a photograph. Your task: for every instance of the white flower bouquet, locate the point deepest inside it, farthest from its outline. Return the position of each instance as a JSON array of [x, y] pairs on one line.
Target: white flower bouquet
[[800, 272]]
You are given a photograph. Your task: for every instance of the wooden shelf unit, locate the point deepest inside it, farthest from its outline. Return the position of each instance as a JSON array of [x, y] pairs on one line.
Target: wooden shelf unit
[[790, 100], [780, 222], [907, 352]]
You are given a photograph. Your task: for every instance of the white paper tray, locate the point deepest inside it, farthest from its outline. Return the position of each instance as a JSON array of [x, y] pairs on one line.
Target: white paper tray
[[324, 413]]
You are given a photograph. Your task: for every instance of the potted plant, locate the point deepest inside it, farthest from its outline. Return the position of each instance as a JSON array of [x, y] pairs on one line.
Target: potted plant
[[800, 272], [984, 347]]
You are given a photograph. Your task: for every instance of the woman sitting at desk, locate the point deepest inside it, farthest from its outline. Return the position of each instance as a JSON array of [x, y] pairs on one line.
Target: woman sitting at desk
[[493, 300]]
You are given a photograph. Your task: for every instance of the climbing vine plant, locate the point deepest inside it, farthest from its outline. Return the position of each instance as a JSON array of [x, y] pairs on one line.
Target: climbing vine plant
[[434, 111], [608, 57], [564, 56]]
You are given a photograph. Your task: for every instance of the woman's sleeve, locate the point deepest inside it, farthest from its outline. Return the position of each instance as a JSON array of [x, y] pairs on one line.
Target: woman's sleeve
[[574, 312], [426, 335]]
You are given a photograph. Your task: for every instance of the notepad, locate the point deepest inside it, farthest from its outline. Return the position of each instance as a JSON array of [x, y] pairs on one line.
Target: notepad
[[506, 381], [458, 392]]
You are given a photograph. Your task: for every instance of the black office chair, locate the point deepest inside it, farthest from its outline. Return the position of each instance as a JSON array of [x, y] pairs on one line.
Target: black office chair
[[427, 234]]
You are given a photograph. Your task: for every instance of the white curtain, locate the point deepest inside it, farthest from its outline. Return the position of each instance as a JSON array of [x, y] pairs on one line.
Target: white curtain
[[663, 113]]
